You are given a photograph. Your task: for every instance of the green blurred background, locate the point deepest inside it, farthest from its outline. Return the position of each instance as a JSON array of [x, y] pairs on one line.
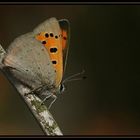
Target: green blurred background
[[105, 42]]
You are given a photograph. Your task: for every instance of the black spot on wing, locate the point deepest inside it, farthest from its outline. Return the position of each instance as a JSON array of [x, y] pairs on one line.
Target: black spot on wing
[[54, 62], [47, 35], [51, 34], [53, 50], [43, 42]]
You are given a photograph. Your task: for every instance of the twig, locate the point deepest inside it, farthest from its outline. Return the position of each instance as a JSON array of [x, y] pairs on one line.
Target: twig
[[40, 112]]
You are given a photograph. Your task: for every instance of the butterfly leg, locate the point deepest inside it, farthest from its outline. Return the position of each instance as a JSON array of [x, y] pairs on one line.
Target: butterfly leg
[[33, 91], [48, 96], [55, 97]]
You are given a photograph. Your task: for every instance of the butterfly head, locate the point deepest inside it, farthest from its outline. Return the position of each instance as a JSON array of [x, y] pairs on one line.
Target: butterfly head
[[61, 88], [74, 77]]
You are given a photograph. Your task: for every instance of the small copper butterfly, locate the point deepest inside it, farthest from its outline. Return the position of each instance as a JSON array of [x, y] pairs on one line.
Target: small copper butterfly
[[38, 59]]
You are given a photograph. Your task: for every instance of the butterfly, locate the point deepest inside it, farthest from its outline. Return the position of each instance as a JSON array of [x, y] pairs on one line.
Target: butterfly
[[38, 59]]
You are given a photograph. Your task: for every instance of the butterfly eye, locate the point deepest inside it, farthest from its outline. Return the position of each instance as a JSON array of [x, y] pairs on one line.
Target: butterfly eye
[[61, 88]]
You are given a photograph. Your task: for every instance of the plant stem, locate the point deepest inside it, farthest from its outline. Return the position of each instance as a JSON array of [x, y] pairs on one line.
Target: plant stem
[[40, 112]]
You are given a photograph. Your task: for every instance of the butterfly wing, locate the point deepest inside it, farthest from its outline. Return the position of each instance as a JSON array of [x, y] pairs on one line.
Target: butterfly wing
[[65, 29], [52, 40], [31, 55], [29, 61]]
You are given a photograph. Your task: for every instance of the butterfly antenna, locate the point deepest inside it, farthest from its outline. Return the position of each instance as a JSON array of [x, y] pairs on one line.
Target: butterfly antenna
[[73, 77], [76, 79]]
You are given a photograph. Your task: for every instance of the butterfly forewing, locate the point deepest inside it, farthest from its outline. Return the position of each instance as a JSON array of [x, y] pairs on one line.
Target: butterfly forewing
[[49, 33]]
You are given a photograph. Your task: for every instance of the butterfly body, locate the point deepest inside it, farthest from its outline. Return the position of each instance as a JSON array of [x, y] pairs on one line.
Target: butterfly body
[[37, 59]]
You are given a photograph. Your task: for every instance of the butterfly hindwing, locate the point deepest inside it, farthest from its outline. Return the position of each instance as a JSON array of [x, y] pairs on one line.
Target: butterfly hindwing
[[29, 61]]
